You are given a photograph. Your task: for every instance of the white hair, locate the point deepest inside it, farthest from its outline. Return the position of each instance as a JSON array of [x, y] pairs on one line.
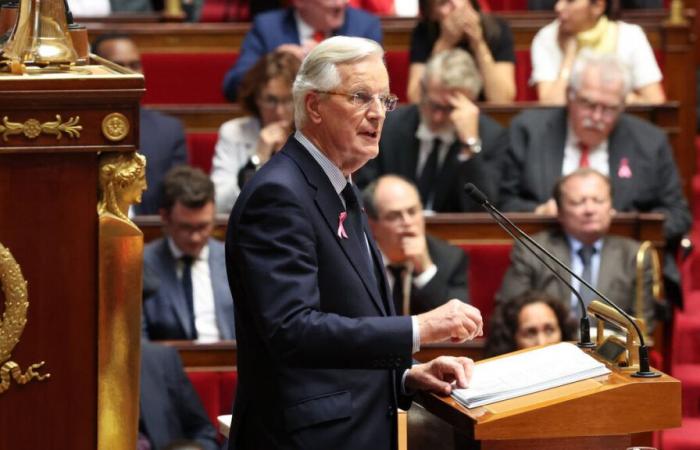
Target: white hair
[[319, 72], [609, 66], [454, 68]]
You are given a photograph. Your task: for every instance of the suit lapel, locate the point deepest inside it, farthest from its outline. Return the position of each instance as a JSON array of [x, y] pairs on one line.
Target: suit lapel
[[290, 31], [174, 289], [443, 184], [561, 250], [609, 264], [553, 156], [329, 205], [622, 187]]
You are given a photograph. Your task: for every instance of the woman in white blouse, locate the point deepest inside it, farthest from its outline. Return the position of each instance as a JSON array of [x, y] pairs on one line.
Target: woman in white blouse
[[248, 142], [585, 24]]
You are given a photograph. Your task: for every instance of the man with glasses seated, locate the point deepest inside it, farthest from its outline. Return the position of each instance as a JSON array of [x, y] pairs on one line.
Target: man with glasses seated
[[445, 141], [189, 298], [592, 131]]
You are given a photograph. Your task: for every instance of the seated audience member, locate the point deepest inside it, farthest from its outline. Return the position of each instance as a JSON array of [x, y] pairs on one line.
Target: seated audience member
[[592, 131], [161, 137], [461, 24], [424, 269], [192, 300], [297, 30], [587, 24], [444, 141], [171, 413], [607, 262], [530, 319], [246, 143]]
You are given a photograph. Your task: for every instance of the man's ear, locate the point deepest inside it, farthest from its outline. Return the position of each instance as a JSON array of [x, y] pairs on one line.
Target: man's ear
[[312, 103]]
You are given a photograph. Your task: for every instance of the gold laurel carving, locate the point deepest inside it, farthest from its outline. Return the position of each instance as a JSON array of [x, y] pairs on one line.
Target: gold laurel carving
[[32, 128], [115, 126], [14, 319]]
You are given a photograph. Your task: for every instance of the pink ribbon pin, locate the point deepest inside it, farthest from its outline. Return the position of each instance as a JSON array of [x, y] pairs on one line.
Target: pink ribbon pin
[[624, 170], [341, 229]]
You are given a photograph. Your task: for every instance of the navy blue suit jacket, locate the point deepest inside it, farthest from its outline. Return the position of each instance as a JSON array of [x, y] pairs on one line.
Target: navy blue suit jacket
[[170, 409], [165, 312], [274, 28], [320, 354], [162, 142]]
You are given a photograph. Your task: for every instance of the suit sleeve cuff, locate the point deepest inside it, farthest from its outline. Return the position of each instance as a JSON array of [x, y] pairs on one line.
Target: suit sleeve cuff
[[424, 278]]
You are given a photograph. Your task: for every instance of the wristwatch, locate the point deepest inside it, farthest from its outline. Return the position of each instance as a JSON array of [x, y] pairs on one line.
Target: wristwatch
[[473, 144], [255, 160]]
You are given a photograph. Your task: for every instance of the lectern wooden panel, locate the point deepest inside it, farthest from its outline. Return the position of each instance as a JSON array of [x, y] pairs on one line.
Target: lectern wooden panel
[[51, 131]]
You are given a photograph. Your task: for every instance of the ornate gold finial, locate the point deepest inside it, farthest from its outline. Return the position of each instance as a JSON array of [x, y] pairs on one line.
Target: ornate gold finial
[[122, 182], [115, 126], [676, 13], [13, 321]]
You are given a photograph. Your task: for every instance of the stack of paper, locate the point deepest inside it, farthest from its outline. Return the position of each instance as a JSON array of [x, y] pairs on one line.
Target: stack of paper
[[528, 372]]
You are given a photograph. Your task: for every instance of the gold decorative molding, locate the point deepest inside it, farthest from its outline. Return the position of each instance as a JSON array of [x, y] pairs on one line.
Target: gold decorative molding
[[14, 319], [32, 128], [115, 126]]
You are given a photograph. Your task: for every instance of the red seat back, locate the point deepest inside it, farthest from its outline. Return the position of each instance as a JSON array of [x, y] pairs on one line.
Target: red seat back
[[397, 64], [201, 148], [216, 389], [185, 78], [487, 266]]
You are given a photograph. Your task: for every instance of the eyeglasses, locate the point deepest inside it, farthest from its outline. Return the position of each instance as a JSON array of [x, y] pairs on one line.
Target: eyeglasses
[[272, 101], [364, 100], [437, 107], [608, 111]]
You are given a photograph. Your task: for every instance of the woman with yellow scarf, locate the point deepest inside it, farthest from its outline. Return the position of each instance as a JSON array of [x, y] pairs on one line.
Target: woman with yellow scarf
[[584, 24]]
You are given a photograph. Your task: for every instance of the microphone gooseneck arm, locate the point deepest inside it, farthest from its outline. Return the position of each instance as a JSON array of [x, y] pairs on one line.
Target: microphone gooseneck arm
[[479, 197]]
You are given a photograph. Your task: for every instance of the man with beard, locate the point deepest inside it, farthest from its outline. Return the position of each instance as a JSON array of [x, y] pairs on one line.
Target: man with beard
[[445, 141], [592, 131]]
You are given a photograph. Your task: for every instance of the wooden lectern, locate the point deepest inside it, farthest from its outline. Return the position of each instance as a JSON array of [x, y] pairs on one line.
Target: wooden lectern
[[608, 412], [82, 325]]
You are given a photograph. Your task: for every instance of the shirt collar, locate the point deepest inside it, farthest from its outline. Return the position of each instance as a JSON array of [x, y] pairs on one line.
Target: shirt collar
[[305, 30], [177, 253], [423, 133], [332, 171], [576, 245], [572, 141]]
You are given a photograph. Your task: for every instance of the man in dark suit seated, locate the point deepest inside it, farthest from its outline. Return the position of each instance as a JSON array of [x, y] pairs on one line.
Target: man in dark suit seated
[[323, 361], [592, 131], [171, 412], [161, 137], [297, 30], [609, 263], [192, 299], [445, 141], [423, 269]]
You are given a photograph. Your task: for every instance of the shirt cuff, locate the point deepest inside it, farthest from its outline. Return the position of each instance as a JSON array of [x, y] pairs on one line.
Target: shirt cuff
[[416, 335], [405, 391], [424, 278]]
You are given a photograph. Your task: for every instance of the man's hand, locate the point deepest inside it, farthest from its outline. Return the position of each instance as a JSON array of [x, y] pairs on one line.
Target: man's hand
[[464, 116], [472, 24], [437, 375], [454, 321], [415, 248], [547, 208], [272, 138]]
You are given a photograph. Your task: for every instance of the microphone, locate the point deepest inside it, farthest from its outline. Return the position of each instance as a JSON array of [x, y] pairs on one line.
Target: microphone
[[479, 197]]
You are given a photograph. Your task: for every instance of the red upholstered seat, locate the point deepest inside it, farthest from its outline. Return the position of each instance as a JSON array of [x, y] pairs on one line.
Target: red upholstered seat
[[523, 69], [185, 78], [216, 389], [687, 437], [201, 149], [397, 64], [487, 266]]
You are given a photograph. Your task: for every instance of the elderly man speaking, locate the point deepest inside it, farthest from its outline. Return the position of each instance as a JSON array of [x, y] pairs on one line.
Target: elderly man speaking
[[323, 361]]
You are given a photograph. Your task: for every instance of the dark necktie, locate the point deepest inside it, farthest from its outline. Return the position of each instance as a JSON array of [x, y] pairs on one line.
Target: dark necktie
[[189, 292], [426, 180], [586, 253], [397, 271]]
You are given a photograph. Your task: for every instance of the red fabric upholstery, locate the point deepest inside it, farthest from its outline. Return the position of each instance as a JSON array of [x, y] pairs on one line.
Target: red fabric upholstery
[[225, 11], [185, 78], [487, 266], [397, 63], [687, 437], [523, 69], [508, 5], [201, 149], [686, 339], [216, 389]]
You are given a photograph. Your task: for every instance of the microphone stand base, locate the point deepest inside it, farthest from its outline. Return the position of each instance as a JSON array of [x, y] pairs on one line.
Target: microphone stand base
[[585, 345], [646, 374]]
